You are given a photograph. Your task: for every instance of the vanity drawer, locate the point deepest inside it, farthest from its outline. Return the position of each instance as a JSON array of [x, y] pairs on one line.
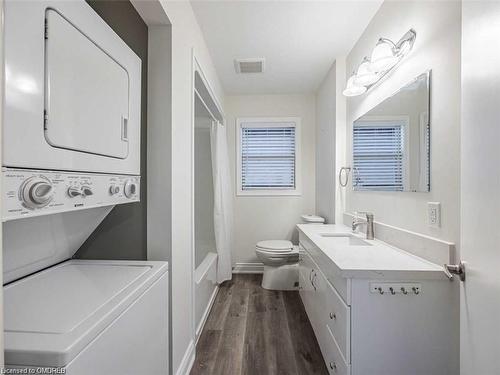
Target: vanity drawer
[[341, 285], [333, 359], [306, 289], [338, 319], [306, 269]]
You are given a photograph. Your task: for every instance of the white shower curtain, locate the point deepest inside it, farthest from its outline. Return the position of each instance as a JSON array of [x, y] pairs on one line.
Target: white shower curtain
[[223, 195]]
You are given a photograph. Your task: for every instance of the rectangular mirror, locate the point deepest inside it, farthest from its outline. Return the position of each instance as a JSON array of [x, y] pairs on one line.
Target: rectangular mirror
[[391, 142]]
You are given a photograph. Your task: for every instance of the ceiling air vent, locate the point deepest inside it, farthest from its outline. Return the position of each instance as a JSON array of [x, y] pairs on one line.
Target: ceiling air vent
[[255, 65]]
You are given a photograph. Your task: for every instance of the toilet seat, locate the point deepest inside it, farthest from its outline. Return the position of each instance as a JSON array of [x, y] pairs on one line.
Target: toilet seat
[[270, 254], [275, 246]]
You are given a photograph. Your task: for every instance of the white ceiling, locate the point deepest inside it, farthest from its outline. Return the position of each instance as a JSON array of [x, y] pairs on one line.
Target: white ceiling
[[299, 40]]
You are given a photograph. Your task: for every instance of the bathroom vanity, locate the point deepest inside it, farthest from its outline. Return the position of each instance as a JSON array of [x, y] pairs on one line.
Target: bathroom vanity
[[376, 309]]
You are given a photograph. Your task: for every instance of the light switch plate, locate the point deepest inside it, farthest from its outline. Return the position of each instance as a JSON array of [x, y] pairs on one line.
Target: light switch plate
[[434, 214]]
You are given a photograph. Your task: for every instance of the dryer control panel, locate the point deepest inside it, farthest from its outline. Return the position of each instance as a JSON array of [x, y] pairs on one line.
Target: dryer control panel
[[29, 193]]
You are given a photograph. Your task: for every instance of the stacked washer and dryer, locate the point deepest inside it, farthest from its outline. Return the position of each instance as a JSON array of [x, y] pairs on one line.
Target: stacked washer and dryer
[[71, 152]]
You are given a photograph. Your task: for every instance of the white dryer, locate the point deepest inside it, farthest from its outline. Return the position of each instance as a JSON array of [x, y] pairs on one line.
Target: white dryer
[[72, 91], [71, 126]]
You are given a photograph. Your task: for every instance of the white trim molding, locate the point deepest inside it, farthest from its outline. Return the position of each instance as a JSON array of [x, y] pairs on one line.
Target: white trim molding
[[255, 267], [187, 360], [206, 313]]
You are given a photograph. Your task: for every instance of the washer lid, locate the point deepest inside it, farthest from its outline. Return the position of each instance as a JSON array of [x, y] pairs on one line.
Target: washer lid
[[313, 219], [52, 315], [276, 245]]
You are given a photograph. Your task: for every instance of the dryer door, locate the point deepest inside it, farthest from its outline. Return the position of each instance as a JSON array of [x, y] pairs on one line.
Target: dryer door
[[86, 93]]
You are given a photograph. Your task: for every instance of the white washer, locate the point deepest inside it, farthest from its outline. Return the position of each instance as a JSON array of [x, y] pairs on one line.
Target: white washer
[[89, 317]]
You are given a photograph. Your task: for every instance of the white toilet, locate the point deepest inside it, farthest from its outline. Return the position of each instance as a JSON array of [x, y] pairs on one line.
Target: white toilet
[[281, 260]]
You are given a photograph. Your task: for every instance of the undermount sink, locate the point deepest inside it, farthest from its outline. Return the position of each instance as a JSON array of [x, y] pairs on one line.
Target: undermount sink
[[346, 239]]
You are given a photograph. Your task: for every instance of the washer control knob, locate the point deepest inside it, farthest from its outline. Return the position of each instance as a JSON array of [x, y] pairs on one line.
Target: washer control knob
[[130, 188], [36, 192], [114, 189], [74, 192], [87, 191]]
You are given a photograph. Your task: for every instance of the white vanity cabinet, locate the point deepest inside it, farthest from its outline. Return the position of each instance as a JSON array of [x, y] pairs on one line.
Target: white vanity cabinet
[[330, 316], [364, 330]]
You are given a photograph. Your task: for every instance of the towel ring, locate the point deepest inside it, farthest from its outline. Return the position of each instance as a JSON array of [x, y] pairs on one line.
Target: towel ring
[[346, 170], [355, 177]]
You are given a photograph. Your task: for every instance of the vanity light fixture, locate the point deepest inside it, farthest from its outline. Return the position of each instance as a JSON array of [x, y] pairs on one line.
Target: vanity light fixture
[[384, 57], [365, 75], [352, 89]]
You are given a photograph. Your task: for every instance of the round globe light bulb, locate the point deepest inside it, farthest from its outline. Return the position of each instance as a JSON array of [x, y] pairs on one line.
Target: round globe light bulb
[[383, 57], [365, 76], [353, 89]]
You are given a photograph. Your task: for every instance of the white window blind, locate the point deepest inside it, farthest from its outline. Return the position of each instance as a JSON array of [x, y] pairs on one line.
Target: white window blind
[[268, 156], [378, 156]]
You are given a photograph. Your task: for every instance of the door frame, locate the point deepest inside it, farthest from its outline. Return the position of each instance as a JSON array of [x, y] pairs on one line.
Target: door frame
[[214, 107]]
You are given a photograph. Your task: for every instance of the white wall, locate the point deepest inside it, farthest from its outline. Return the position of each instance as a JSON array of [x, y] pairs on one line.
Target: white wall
[[258, 218], [340, 130], [330, 153], [159, 133], [186, 36], [437, 47], [325, 146]]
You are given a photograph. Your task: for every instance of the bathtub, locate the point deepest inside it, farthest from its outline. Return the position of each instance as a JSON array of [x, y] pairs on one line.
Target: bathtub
[[205, 279]]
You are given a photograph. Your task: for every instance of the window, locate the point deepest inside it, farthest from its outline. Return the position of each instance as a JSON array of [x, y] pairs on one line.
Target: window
[[268, 161], [379, 155]]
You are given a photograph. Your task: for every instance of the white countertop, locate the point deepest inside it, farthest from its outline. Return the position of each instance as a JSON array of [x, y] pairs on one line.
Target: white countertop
[[379, 260]]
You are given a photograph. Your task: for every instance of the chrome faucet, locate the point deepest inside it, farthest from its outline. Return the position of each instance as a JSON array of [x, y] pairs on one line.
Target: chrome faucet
[[369, 224]]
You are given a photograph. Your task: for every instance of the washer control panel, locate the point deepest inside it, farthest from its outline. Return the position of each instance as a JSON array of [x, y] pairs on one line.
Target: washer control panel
[[28, 192]]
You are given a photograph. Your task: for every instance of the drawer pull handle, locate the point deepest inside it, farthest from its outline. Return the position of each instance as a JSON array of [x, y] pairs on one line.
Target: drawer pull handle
[[404, 291], [333, 316], [391, 289], [313, 279], [380, 290], [333, 366]]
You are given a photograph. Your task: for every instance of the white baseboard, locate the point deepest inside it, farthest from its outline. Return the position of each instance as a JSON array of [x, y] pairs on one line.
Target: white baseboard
[[204, 318], [187, 361], [248, 268]]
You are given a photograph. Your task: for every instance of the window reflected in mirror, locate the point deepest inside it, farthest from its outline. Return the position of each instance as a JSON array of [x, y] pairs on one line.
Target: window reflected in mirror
[[391, 143]]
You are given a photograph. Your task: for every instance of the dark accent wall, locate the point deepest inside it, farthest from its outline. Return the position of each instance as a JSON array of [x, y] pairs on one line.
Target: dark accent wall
[[122, 234]]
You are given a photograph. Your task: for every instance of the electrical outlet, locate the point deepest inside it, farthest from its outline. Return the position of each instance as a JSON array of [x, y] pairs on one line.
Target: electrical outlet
[[434, 214]]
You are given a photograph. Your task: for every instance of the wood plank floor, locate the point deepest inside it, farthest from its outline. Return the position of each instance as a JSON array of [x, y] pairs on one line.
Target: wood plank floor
[[253, 331]]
